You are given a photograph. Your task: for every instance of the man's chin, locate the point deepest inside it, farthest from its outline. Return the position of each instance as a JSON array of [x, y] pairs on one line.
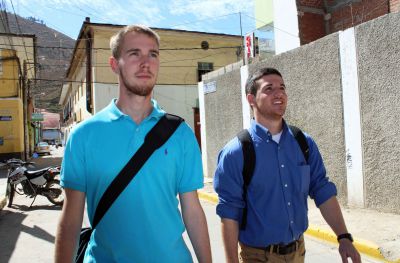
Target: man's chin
[[140, 91]]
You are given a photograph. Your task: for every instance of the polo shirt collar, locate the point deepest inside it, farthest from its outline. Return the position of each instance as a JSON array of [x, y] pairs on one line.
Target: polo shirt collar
[[115, 113]]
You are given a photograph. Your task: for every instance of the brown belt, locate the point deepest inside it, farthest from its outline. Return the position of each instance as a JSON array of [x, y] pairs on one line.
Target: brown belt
[[281, 249]]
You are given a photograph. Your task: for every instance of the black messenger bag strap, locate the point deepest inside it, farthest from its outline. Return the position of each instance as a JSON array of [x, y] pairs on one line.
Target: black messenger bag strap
[[156, 137]]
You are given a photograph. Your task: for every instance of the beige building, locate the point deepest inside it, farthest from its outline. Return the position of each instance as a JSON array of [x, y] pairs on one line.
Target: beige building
[[17, 60], [184, 57]]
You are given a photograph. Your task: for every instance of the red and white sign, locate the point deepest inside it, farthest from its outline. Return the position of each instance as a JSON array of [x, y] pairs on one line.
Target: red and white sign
[[249, 45]]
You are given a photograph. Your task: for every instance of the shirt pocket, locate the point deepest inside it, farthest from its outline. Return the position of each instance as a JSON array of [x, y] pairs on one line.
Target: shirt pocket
[[305, 178]]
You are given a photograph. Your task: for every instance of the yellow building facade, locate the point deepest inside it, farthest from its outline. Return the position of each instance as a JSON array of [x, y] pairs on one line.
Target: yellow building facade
[[17, 55]]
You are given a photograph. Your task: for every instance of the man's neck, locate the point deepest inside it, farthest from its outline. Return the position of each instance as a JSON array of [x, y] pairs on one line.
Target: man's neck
[[137, 107], [274, 126]]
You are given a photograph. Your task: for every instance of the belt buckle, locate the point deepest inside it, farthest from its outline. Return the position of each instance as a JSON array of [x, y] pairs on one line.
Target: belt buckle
[[286, 249]]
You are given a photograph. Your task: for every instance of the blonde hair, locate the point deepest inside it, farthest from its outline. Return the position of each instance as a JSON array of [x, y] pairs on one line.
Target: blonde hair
[[117, 39]]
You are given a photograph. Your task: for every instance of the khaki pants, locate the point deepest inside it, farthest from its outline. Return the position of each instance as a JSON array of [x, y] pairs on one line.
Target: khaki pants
[[255, 255]]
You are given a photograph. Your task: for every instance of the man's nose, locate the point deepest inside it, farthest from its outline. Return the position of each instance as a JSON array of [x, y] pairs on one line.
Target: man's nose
[[144, 60], [278, 92]]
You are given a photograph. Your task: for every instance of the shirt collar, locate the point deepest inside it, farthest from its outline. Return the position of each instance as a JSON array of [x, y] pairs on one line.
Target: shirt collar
[[262, 131], [115, 113]]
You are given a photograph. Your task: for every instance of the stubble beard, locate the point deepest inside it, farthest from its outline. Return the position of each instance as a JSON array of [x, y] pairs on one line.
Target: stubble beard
[[270, 114], [140, 90]]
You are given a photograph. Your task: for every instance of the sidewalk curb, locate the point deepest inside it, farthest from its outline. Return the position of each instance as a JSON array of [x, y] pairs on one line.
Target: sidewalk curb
[[363, 246]]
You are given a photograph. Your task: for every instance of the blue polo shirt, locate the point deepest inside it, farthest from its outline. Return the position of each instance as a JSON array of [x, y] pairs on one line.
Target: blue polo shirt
[[144, 224], [278, 191]]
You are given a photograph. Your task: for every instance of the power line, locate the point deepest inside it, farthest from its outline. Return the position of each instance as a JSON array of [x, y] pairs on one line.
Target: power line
[[23, 40], [108, 49]]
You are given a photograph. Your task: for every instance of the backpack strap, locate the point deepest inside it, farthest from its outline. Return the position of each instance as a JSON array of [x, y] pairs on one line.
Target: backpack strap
[[301, 140], [154, 139], [249, 163]]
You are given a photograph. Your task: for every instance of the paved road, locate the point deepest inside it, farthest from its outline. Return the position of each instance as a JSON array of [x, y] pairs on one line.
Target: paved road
[[28, 234]]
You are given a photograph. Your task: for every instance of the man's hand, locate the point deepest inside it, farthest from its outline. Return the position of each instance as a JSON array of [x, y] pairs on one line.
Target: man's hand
[[347, 250]]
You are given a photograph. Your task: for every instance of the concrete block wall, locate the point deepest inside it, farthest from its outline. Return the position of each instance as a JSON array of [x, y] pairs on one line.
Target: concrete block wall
[[317, 77], [223, 111], [379, 78]]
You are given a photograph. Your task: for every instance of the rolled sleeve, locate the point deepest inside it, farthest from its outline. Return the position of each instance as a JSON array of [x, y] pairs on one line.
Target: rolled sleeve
[[228, 182], [321, 189]]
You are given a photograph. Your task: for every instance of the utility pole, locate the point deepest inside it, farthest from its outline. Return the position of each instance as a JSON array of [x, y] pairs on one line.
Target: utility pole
[[241, 34], [25, 87]]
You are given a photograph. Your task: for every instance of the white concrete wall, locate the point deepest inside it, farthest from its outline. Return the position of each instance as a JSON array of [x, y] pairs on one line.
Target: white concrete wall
[[351, 115], [246, 114], [103, 94], [178, 100], [286, 26], [203, 133]]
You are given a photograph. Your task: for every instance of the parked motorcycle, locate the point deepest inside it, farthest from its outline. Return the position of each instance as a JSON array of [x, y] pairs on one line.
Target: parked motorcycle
[[31, 183]]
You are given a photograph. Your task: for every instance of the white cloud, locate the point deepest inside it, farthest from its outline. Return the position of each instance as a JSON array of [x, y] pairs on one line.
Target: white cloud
[[103, 11], [210, 8]]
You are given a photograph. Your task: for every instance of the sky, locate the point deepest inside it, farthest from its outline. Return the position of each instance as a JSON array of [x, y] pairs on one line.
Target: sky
[[214, 16]]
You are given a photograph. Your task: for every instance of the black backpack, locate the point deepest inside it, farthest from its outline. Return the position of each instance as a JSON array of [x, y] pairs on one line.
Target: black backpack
[[249, 161]]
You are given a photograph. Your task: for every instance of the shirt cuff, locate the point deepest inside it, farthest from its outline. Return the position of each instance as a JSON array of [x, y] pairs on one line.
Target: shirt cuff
[[325, 193], [224, 211]]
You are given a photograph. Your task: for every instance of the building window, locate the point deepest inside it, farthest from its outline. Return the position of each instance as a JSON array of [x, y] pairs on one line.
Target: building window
[[203, 68]]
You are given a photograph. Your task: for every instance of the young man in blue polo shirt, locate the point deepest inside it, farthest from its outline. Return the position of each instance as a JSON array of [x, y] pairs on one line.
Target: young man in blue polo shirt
[[144, 223], [279, 187]]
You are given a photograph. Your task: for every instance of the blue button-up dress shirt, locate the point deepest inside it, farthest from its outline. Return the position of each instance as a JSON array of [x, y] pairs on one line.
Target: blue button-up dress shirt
[[278, 192]]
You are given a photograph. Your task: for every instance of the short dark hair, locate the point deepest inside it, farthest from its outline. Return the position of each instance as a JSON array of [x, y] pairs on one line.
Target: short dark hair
[[251, 85]]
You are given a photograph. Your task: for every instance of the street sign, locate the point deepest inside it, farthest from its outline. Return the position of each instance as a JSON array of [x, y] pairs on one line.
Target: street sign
[[37, 117], [5, 118], [210, 87], [249, 44]]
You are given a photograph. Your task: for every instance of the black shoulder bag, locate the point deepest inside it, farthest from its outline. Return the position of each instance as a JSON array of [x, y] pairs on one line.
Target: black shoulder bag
[[157, 136]]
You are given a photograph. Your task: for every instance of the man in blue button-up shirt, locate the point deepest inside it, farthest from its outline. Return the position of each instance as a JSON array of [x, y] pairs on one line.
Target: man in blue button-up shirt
[[280, 185]]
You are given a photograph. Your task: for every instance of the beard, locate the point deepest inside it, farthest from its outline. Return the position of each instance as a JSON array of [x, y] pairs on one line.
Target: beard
[[140, 90]]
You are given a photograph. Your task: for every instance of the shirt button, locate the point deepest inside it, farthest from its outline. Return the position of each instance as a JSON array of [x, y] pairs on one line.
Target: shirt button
[[285, 185], [282, 165], [288, 203], [267, 140], [291, 221]]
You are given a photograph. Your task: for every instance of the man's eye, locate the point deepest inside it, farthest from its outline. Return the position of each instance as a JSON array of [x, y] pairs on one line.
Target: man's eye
[[268, 89], [154, 55]]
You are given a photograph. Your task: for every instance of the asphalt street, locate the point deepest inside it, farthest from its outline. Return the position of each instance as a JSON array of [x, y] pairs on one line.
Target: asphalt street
[[27, 234]]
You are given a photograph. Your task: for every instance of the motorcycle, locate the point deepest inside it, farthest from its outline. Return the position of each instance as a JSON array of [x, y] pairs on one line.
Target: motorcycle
[[32, 183]]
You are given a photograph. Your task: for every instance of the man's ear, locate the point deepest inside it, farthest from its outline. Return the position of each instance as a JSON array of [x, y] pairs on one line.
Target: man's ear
[[251, 99], [114, 64]]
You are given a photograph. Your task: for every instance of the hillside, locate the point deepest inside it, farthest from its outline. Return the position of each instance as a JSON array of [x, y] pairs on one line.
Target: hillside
[[54, 51]]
